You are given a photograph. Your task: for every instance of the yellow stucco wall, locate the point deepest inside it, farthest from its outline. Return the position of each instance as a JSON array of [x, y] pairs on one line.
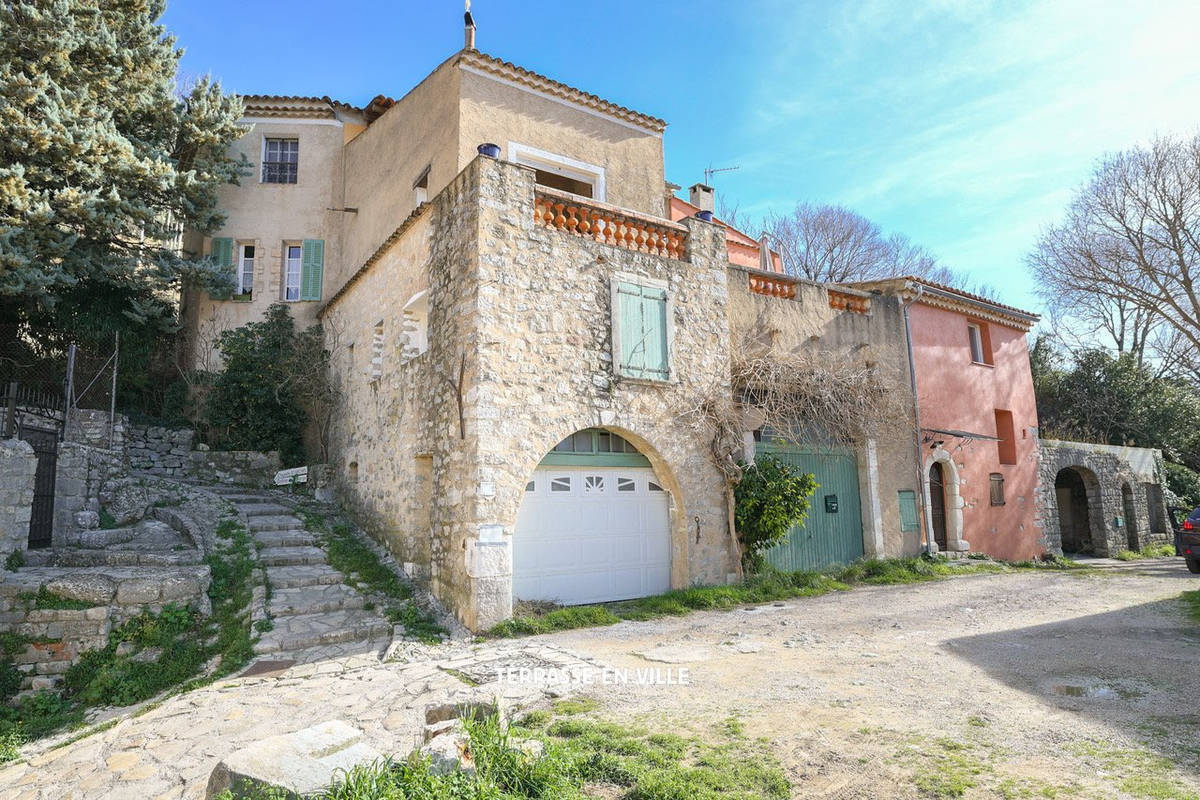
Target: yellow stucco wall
[[499, 112]]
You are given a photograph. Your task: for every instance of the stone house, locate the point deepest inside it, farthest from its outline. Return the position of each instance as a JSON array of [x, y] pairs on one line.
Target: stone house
[[523, 321]]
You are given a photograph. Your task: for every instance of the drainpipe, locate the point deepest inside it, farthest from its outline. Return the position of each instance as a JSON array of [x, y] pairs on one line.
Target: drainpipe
[[920, 453]]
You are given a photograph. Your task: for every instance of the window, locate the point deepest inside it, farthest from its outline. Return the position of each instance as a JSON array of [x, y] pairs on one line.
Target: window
[[641, 331], [908, 510], [626, 485], [303, 270], [222, 256], [1007, 436], [377, 351], [997, 482], [291, 272], [560, 484], [559, 172], [245, 272], [593, 447], [281, 160], [421, 187], [593, 484], [980, 340], [654, 487]]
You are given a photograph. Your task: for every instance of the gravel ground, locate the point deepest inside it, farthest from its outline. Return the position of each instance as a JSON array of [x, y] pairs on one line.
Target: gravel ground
[[1014, 685]]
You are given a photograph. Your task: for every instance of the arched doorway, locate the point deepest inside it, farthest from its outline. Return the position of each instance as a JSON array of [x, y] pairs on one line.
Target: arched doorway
[[594, 524], [1130, 513], [1074, 516], [937, 503]]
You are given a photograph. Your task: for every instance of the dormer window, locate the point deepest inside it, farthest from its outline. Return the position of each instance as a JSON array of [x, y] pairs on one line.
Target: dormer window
[[559, 172]]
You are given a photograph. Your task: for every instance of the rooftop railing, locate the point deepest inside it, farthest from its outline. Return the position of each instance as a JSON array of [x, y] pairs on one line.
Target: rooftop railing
[[601, 222]]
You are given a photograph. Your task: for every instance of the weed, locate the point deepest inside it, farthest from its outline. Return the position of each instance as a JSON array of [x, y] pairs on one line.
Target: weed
[[581, 705], [15, 560], [264, 625], [1191, 603], [977, 722], [43, 598], [1149, 551], [107, 521]]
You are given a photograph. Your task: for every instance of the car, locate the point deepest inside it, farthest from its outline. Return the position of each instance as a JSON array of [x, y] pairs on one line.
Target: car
[[1187, 540]]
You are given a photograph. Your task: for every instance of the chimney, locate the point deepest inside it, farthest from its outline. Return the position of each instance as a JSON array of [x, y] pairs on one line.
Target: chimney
[[469, 33], [701, 196]]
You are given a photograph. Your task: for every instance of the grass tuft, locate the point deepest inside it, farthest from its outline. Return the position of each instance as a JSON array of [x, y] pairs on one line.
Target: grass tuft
[[1191, 603]]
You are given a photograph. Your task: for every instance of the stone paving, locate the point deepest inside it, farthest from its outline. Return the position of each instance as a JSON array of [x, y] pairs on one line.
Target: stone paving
[[169, 750]]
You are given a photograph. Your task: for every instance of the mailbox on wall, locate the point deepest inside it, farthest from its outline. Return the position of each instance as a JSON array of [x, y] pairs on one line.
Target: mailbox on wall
[[831, 504]]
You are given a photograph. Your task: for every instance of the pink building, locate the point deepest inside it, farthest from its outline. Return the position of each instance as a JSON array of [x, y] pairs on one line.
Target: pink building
[[977, 417]]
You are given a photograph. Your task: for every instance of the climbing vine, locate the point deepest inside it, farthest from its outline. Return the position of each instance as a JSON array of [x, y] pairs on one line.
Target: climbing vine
[[770, 498]]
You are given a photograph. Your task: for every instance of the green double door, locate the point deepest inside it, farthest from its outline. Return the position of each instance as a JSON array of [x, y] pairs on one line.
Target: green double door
[[833, 532]]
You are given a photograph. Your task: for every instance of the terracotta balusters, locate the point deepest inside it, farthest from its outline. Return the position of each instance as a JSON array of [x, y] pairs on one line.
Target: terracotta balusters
[[609, 227]]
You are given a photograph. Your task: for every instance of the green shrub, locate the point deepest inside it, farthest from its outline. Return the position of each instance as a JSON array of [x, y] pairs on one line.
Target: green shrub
[[771, 498], [15, 560], [258, 401], [1183, 483]]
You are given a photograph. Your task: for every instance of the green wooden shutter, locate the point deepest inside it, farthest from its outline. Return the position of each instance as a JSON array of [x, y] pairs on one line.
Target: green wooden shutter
[[222, 255], [312, 268], [908, 510], [642, 328]]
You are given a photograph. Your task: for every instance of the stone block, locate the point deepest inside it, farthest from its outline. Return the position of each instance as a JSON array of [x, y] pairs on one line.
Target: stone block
[[304, 762], [87, 520], [138, 591]]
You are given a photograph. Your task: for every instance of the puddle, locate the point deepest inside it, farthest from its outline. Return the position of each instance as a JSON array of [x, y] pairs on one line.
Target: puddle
[[1097, 691]]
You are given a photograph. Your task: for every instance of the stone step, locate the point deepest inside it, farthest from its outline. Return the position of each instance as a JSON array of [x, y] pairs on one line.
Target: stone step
[[285, 538], [295, 577], [291, 556], [313, 630], [273, 523], [77, 557], [253, 510], [314, 600]]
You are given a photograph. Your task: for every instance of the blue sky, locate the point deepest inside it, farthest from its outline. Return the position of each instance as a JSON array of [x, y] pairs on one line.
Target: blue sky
[[965, 124]]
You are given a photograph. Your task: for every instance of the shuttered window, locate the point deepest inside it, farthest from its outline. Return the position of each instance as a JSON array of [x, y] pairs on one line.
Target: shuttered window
[[222, 256], [312, 269], [908, 510], [997, 481], [641, 342]]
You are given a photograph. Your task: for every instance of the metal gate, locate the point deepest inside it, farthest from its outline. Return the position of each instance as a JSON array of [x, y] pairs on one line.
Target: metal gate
[[833, 532], [41, 521]]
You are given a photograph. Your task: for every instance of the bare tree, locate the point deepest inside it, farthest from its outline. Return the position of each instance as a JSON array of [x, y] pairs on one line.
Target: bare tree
[[1126, 259], [832, 244]]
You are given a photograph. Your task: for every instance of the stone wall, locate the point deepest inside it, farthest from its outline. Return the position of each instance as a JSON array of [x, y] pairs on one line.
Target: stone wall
[[82, 473], [1105, 471], [234, 467], [159, 450], [117, 594], [17, 466], [93, 428]]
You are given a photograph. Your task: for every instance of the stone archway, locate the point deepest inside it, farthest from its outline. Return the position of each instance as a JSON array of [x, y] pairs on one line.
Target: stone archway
[[952, 495], [1080, 511]]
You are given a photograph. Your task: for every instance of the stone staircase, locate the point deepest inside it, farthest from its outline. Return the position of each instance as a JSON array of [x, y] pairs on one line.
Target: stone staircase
[[315, 614]]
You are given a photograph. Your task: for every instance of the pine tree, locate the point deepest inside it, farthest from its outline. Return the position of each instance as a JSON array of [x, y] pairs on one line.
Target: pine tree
[[103, 159]]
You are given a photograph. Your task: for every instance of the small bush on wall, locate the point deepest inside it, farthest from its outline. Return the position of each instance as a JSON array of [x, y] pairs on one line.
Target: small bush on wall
[[770, 498]]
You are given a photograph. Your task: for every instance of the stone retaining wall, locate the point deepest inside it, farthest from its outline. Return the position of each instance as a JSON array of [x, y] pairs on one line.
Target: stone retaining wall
[[17, 466], [159, 450], [92, 427]]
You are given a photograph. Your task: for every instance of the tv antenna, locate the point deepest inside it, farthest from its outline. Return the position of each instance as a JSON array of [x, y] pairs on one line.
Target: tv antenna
[[709, 171]]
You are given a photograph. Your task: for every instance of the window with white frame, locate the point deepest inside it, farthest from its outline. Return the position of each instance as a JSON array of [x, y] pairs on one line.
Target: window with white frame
[[281, 160], [292, 260], [245, 271], [560, 172]]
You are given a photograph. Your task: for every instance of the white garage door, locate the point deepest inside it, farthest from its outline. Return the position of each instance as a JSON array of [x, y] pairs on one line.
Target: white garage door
[[591, 534]]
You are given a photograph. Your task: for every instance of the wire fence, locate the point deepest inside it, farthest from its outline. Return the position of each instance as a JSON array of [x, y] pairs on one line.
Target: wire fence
[[42, 384]]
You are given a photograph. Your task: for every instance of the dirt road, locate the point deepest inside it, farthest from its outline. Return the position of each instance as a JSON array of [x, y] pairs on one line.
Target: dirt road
[[1047, 684]]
